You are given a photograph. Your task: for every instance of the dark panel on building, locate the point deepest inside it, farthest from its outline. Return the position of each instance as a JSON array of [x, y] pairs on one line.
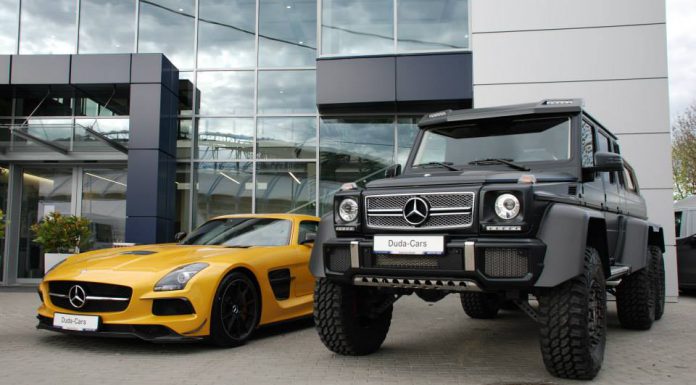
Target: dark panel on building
[[343, 82], [100, 69], [5, 61], [143, 230], [395, 83], [154, 68], [40, 69], [426, 78]]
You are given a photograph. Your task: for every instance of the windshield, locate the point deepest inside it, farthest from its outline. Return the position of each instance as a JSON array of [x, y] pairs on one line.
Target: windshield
[[241, 232], [531, 140]]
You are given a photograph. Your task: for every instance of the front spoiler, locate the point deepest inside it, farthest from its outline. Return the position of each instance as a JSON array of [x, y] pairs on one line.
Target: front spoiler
[[151, 333]]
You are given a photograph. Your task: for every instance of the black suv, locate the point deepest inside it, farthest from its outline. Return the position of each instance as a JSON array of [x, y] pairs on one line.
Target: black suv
[[499, 205]]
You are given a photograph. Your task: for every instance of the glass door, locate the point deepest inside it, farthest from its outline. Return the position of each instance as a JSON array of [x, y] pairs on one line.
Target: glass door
[[44, 190], [104, 204]]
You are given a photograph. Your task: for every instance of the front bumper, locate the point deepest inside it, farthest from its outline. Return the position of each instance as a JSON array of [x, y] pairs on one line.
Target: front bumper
[[153, 333], [467, 264]]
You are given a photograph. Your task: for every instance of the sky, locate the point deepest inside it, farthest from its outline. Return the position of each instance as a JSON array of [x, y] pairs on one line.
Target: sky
[[681, 45]]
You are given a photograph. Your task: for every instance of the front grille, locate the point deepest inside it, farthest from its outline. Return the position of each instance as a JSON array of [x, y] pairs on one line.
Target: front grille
[[100, 297], [339, 258], [396, 261], [505, 263], [447, 210]]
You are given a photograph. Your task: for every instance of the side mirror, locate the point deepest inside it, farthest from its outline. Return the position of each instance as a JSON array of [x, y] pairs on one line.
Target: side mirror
[[608, 162], [308, 238], [178, 237], [392, 171]]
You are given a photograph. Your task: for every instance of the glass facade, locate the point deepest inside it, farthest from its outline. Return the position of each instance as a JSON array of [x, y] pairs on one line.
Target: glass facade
[[250, 138]]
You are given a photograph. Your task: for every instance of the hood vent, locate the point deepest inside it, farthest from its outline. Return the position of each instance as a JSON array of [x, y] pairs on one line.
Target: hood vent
[[138, 252], [573, 190]]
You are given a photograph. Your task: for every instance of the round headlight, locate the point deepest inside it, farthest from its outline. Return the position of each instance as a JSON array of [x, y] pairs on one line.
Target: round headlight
[[348, 210], [507, 206]]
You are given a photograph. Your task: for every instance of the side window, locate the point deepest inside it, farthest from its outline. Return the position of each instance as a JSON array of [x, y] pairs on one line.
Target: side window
[[677, 223], [587, 142], [307, 227], [604, 145]]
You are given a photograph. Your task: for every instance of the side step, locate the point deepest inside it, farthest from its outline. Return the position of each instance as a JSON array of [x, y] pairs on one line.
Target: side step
[[616, 273], [452, 285]]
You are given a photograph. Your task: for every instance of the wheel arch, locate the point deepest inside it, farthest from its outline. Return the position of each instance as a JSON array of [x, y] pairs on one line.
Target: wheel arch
[[656, 236], [597, 239], [249, 274]]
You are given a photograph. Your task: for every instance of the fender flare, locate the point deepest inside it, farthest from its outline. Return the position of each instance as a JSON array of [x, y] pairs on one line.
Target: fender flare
[[326, 232]]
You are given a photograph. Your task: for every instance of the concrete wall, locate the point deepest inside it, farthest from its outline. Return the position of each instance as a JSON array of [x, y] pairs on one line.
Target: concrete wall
[[613, 54]]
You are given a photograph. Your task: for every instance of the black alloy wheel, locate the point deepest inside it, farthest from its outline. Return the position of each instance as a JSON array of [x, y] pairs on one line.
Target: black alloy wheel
[[236, 311]]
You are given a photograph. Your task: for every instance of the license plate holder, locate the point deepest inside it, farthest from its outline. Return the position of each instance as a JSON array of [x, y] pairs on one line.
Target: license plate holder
[[409, 244], [76, 322]]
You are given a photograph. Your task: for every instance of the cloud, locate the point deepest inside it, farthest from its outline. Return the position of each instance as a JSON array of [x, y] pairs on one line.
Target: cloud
[[681, 42]]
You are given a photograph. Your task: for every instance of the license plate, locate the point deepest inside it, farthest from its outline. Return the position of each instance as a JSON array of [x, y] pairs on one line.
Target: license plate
[[83, 323], [409, 244]]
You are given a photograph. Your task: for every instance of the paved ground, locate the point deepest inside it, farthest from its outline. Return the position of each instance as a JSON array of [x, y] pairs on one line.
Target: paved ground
[[427, 344]]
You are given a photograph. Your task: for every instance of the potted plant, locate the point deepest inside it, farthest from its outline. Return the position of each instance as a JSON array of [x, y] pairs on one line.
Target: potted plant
[[61, 236]]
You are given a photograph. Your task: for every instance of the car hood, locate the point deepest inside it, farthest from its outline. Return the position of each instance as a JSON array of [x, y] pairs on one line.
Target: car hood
[[148, 258], [473, 177]]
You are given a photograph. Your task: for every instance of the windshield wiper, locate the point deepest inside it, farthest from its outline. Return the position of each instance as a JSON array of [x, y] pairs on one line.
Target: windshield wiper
[[238, 246], [507, 162], [447, 165]]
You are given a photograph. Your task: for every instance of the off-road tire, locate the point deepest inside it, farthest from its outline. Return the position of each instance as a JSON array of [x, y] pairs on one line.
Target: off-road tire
[[658, 280], [343, 320], [635, 298], [573, 317], [480, 305], [509, 305]]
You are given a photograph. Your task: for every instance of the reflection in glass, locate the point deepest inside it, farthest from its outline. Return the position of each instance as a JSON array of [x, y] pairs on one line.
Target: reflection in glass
[[42, 101], [48, 27], [102, 100], [183, 193], [285, 187], [56, 131], [433, 24], [242, 232], [43, 191], [117, 130], [225, 138], [8, 33], [407, 129], [286, 138], [226, 93], [184, 139], [107, 26], [4, 183], [104, 203], [287, 92], [287, 33], [167, 26], [226, 33], [357, 27], [223, 188], [353, 150], [186, 92]]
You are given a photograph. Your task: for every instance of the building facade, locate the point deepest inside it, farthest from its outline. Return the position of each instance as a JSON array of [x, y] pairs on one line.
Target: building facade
[[150, 116]]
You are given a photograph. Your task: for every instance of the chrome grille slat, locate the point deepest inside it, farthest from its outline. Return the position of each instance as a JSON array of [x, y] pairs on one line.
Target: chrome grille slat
[[445, 284], [448, 210]]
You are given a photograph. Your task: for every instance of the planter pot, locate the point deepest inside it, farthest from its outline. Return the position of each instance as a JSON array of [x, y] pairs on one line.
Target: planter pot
[[51, 259]]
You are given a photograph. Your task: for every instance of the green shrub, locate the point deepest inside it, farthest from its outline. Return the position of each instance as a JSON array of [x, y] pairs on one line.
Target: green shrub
[[59, 233]]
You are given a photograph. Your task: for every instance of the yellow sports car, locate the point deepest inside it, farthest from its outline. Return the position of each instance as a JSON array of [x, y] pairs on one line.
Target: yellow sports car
[[222, 281]]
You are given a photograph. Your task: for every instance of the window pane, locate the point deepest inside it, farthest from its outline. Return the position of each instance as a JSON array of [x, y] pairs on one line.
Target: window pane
[[184, 139], [407, 129], [104, 203], [287, 33], [42, 101], [286, 138], [433, 24], [116, 130], [357, 27], [4, 184], [287, 92], [107, 26], [226, 93], [167, 26], [223, 188], [186, 91], [183, 192], [225, 138], [102, 100], [353, 150], [285, 187], [226, 31], [8, 29], [56, 131], [48, 26]]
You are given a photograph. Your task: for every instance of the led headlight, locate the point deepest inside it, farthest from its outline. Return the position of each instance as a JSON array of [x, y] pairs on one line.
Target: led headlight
[[507, 206], [177, 279], [348, 210]]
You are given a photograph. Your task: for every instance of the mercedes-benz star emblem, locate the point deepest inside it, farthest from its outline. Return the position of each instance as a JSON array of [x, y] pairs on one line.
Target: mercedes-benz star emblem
[[77, 296], [416, 211]]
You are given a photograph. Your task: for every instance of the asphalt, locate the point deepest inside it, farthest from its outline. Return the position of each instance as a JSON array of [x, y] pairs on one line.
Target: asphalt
[[427, 343]]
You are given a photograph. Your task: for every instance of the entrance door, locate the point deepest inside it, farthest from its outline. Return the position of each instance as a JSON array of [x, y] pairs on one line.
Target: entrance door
[[44, 190]]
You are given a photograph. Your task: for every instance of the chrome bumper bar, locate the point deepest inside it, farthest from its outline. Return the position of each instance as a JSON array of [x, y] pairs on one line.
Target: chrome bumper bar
[[452, 285]]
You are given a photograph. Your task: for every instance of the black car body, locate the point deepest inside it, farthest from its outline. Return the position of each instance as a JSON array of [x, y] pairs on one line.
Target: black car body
[[516, 196]]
